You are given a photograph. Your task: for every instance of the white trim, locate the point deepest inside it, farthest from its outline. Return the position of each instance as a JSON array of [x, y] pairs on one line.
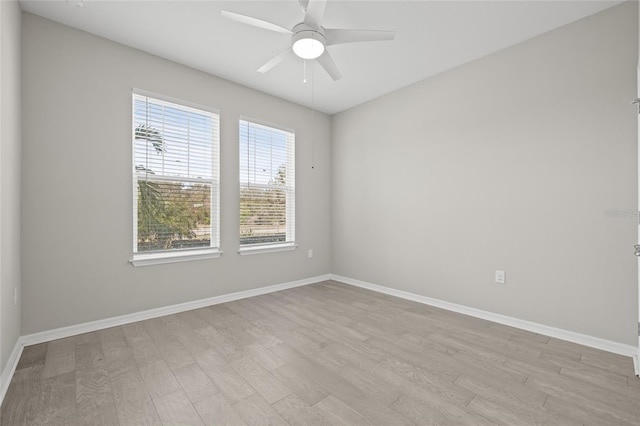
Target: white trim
[[636, 364], [10, 368], [272, 248], [266, 125], [581, 339], [59, 333], [148, 259], [194, 107]]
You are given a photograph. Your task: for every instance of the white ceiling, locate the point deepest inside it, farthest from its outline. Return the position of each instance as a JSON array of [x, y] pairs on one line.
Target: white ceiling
[[431, 37]]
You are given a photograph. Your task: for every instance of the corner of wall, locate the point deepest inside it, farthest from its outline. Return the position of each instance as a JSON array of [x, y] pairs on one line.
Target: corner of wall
[[10, 165]]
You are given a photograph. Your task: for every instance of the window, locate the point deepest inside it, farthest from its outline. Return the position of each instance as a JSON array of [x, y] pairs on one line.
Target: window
[[175, 178], [267, 188]]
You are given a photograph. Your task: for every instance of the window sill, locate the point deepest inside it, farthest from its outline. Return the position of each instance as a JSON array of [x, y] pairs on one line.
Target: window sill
[[173, 257], [246, 251]]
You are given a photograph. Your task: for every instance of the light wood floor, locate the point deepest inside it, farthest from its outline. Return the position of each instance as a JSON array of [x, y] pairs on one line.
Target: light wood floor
[[321, 354]]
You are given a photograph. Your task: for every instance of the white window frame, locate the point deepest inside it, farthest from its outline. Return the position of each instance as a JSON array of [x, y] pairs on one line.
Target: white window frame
[[290, 192], [179, 255]]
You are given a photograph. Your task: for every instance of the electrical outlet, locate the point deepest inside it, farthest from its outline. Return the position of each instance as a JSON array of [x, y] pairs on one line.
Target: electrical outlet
[[15, 296], [310, 254], [500, 277]]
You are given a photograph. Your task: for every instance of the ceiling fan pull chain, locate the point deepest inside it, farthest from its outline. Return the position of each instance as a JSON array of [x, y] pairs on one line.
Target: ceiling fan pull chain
[[313, 122], [304, 66]]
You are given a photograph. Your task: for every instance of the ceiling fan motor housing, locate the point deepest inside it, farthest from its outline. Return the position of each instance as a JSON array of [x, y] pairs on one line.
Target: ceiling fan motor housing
[[307, 42]]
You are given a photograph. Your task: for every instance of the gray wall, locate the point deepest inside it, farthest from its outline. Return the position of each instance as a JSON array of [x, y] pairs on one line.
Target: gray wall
[[509, 162], [10, 129], [77, 191]]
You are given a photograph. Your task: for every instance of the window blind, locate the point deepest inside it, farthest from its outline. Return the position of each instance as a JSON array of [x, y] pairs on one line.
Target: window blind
[[267, 185], [175, 176]]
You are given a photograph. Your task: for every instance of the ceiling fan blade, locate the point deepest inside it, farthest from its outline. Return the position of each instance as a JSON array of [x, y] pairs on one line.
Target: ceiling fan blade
[[275, 60], [315, 13], [338, 36], [254, 22], [303, 4], [329, 66]]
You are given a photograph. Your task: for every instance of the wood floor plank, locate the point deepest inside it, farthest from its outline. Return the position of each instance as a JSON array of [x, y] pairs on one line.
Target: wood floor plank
[[237, 335], [298, 340], [93, 393], [61, 357], [305, 388], [502, 391], [144, 349], [189, 338], [217, 411], [580, 414], [339, 413], [502, 346], [57, 403], [532, 366], [438, 368], [528, 338], [460, 345], [329, 316], [379, 332], [196, 384], [378, 390], [501, 414], [431, 411], [265, 357], [558, 356], [587, 351], [192, 320], [614, 363], [220, 316], [634, 383], [112, 338], [173, 353], [20, 405], [133, 402], [370, 366], [554, 354], [158, 378], [426, 341], [32, 356], [297, 412], [175, 408], [227, 380], [410, 378], [471, 364], [255, 411], [600, 377], [339, 387], [587, 395], [258, 377], [253, 308], [219, 340]]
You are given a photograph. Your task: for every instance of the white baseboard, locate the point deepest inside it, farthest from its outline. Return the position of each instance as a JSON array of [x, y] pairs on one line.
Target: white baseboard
[[582, 339], [636, 363], [45, 336], [9, 369], [59, 333]]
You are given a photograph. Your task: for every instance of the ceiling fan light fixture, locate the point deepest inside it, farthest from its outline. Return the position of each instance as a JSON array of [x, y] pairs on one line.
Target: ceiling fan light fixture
[[308, 44]]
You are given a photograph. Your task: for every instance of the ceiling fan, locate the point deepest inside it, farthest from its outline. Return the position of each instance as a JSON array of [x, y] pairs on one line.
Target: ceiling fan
[[309, 39]]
